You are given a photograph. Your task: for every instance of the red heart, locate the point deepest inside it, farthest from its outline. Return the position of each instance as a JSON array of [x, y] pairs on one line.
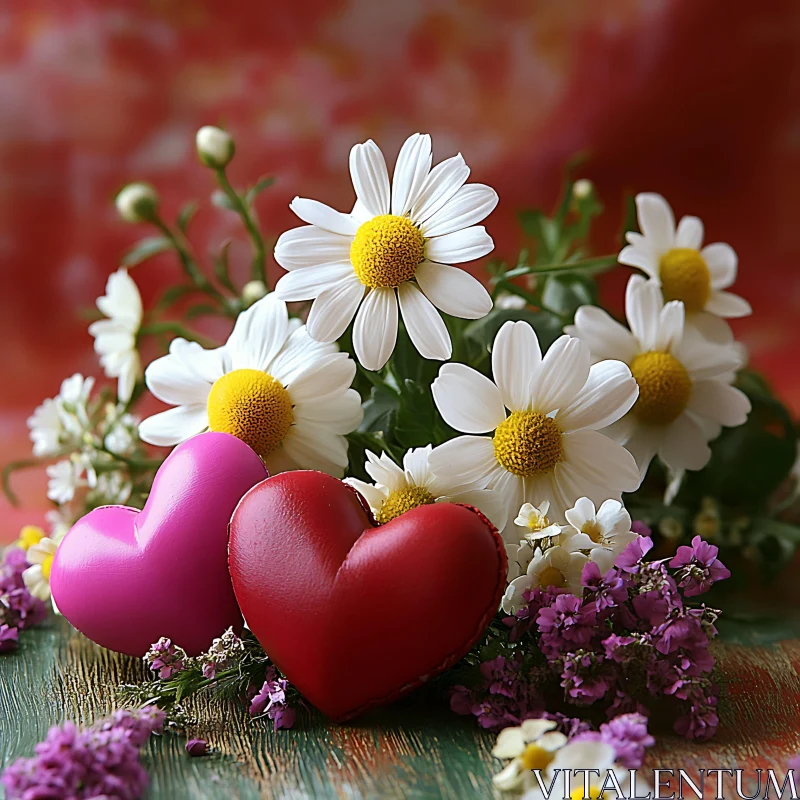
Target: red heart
[[354, 614]]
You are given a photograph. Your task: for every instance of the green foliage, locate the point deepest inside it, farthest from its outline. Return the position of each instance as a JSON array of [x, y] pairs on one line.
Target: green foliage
[[146, 248]]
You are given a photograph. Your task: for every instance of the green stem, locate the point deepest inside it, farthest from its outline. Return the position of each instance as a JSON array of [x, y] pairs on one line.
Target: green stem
[[8, 469], [169, 326], [564, 266], [259, 271]]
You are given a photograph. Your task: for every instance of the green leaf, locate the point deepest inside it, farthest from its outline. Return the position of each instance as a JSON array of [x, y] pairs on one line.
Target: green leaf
[[144, 249], [201, 310], [565, 293], [221, 266], [186, 214], [174, 293], [221, 200], [254, 191], [483, 331], [380, 410], [418, 422]]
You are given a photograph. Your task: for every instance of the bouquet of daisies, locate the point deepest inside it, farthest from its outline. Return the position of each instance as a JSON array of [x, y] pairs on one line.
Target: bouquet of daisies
[[377, 357]]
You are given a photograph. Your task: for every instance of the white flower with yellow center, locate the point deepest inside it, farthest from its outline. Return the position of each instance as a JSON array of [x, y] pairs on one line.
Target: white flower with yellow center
[[532, 745], [604, 532], [37, 576], [674, 257], [548, 447], [557, 566], [397, 490], [397, 245], [685, 396], [535, 521], [271, 385], [115, 337], [597, 773]]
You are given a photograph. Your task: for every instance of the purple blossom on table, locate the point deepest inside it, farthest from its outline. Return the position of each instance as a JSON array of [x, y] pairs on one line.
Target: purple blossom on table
[[165, 658], [698, 566], [628, 735], [18, 607], [224, 652], [100, 761], [9, 639], [197, 747], [271, 700], [700, 721]]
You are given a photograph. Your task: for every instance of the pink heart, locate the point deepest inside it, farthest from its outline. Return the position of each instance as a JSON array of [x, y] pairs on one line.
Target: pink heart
[[124, 578]]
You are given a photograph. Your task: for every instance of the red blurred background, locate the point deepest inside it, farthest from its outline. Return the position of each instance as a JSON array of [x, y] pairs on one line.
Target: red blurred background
[[696, 100]]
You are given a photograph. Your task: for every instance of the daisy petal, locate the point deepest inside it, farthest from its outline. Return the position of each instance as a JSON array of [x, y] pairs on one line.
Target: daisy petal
[[174, 380], [443, 181], [370, 178], [259, 334], [469, 460], [300, 354], [643, 304], [670, 326], [684, 445], [725, 304], [722, 403], [467, 400], [641, 257], [515, 356], [315, 213], [642, 442], [453, 290], [605, 336], [711, 327], [425, 326], [314, 447], [412, 167], [307, 283], [722, 261], [174, 425], [656, 221], [463, 245], [561, 375], [601, 460], [488, 502], [375, 328], [374, 496], [341, 415], [608, 394], [334, 308], [468, 206], [310, 246], [689, 233], [322, 377]]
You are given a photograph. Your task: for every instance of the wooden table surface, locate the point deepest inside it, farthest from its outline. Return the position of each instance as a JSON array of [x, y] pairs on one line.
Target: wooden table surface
[[416, 750]]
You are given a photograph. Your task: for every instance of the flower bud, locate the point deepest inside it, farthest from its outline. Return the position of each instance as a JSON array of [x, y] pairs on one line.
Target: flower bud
[[137, 202], [197, 747], [582, 188], [253, 291], [215, 147]]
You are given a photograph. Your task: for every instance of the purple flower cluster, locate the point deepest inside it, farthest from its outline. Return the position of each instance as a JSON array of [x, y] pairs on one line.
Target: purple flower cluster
[[165, 658], [224, 652], [505, 695], [101, 761], [628, 640], [19, 609], [271, 699], [627, 734]]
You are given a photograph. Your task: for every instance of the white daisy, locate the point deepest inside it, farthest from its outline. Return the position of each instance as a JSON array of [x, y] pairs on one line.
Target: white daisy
[[271, 385], [532, 745], [398, 490], [45, 429], [64, 478], [548, 448], [605, 533], [675, 258], [685, 396], [37, 576], [557, 566], [115, 337], [396, 245]]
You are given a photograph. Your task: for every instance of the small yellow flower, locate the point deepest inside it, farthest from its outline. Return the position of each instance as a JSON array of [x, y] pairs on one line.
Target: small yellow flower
[[29, 536]]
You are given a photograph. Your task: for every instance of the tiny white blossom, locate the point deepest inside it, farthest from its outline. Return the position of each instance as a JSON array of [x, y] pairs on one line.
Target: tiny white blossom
[[64, 479], [215, 147], [137, 202]]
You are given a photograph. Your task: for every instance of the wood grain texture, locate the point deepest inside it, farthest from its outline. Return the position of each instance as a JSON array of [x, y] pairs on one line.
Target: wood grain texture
[[417, 749]]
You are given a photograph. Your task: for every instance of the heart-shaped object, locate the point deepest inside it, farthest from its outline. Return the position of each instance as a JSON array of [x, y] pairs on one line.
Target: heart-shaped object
[[125, 577], [355, 614]]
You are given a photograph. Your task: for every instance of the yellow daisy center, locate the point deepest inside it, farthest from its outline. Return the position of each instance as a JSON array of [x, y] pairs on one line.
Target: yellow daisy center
[[29, 536], [578, 794], [47, 565], [387, 251], [252, 406], [664, 387], [528, 443], [536, 757], [402, 500], [550, 576], [684, 276]]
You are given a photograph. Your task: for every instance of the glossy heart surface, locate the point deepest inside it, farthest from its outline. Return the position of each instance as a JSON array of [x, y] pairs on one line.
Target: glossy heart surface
[[125, 578], [355, 614]]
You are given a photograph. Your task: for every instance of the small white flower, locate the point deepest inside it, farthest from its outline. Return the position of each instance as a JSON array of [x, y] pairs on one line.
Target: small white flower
[[215, 147], [675, 258], [605, 532], [59, 524], [75, 391], [548, 448], [685, 396], [532, 745], [534, 519], [37, 576], [506, 300], [137, 202], [121, 438], [45, 429], [111, 489], [115, 337], [253, 291], [64, 478], [396, 245], [557, 566], [271, 385], [397, 490]]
